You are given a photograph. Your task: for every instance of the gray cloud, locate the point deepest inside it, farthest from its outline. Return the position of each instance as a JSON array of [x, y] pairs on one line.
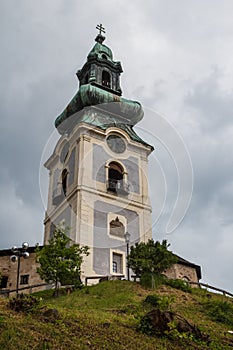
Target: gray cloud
[[176, 59]]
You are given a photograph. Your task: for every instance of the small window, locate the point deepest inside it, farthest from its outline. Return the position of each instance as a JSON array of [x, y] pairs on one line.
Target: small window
[[64, 181], [106, 78], [115, 178], [117, 263], [24, 279], [4, 281], [104, 57]]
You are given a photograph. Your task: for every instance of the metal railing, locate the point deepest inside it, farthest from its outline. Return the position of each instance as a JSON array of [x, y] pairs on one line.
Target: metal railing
[[120, 187], [7, 292], [200, 285]]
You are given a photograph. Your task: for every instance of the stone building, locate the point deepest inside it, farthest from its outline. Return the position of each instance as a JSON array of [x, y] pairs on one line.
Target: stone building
[[185, 270], [27, 272], [98, 176]]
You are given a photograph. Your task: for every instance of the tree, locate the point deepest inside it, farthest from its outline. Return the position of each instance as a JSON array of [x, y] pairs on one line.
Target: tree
[[150, 258], [60, 260]]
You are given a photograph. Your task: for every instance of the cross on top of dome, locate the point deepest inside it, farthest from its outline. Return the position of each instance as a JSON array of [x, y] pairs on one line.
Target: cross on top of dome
[[100, 28], [100, 38]]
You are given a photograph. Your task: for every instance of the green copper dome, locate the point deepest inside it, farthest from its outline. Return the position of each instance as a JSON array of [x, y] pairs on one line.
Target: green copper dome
[[121, 109], [98, 101], [100, 51]]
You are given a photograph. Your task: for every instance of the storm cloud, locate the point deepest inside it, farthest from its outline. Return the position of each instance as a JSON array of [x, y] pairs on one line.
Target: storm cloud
[[177, 61]]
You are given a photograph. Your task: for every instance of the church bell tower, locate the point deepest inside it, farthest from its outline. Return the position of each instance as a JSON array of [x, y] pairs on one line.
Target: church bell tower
[[98, 183]]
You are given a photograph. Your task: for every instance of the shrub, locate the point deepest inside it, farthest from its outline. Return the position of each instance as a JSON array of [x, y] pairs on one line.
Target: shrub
[[178, 284], [151, 280], [146, 326], [220, 311], [163, 303], [152, 300], [25, 303]]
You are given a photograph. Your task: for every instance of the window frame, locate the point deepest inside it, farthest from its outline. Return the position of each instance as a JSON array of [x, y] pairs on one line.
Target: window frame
[[24, 279], [123, 262]]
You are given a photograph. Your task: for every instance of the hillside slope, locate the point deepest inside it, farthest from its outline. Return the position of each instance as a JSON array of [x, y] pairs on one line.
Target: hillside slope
[[107, 316]]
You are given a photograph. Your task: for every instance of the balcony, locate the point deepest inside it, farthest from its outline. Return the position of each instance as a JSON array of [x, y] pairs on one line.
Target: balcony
[[119, 187]]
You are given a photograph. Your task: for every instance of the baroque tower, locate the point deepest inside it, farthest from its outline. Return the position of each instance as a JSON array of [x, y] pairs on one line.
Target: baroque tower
[[98, 183]]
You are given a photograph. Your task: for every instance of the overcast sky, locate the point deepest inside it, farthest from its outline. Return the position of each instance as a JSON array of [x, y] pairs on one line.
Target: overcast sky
[[177, 61]]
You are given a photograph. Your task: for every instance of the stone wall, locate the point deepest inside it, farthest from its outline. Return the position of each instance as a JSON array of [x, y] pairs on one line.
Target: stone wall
[[181, 271], [27, 272]]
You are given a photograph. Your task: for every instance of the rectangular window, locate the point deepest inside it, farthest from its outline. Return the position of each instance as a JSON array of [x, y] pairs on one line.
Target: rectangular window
[[24, 279], [4, 281], [117, 263]]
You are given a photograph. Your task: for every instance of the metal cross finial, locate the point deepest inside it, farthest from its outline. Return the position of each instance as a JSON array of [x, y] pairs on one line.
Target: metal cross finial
[[100, 28]]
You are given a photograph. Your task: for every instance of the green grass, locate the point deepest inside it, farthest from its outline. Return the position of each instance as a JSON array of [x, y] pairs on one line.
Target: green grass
[[106, 316]]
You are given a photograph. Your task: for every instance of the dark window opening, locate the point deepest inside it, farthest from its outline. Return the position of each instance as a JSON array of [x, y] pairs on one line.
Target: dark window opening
[[24, 279], [116, 181], [86, 81], [115, 171], [64, 181], [106, 78], [117, 228], [4, 281], [104, 57]]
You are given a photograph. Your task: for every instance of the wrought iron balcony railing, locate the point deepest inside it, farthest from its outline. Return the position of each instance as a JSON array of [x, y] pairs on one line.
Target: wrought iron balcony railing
[[120, 187]]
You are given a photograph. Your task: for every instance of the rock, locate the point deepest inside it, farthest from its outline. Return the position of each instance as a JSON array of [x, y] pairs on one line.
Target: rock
[[51, 315], [158, 322]]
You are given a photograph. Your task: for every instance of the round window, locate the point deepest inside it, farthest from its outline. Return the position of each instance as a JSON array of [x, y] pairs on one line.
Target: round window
[[116, 143]]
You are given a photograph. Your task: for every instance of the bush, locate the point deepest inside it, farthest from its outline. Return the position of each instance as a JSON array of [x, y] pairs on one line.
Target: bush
[[44, 294], [152, 300], [178, 284], [151, 280], [25, 303], [163, 303], [220, 311]]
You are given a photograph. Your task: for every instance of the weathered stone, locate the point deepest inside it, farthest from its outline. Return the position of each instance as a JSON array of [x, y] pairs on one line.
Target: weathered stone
[[159, 324], [51, 315]]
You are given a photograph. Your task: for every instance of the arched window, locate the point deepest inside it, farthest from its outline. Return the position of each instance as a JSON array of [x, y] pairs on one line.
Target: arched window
[[115, 176], [117, 228], [64, 177], [115, 171], [106, 79], [104, 57], [116, 181]]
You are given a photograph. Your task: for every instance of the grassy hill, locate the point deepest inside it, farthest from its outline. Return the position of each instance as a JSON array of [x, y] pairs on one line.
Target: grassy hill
[[108, 316]]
